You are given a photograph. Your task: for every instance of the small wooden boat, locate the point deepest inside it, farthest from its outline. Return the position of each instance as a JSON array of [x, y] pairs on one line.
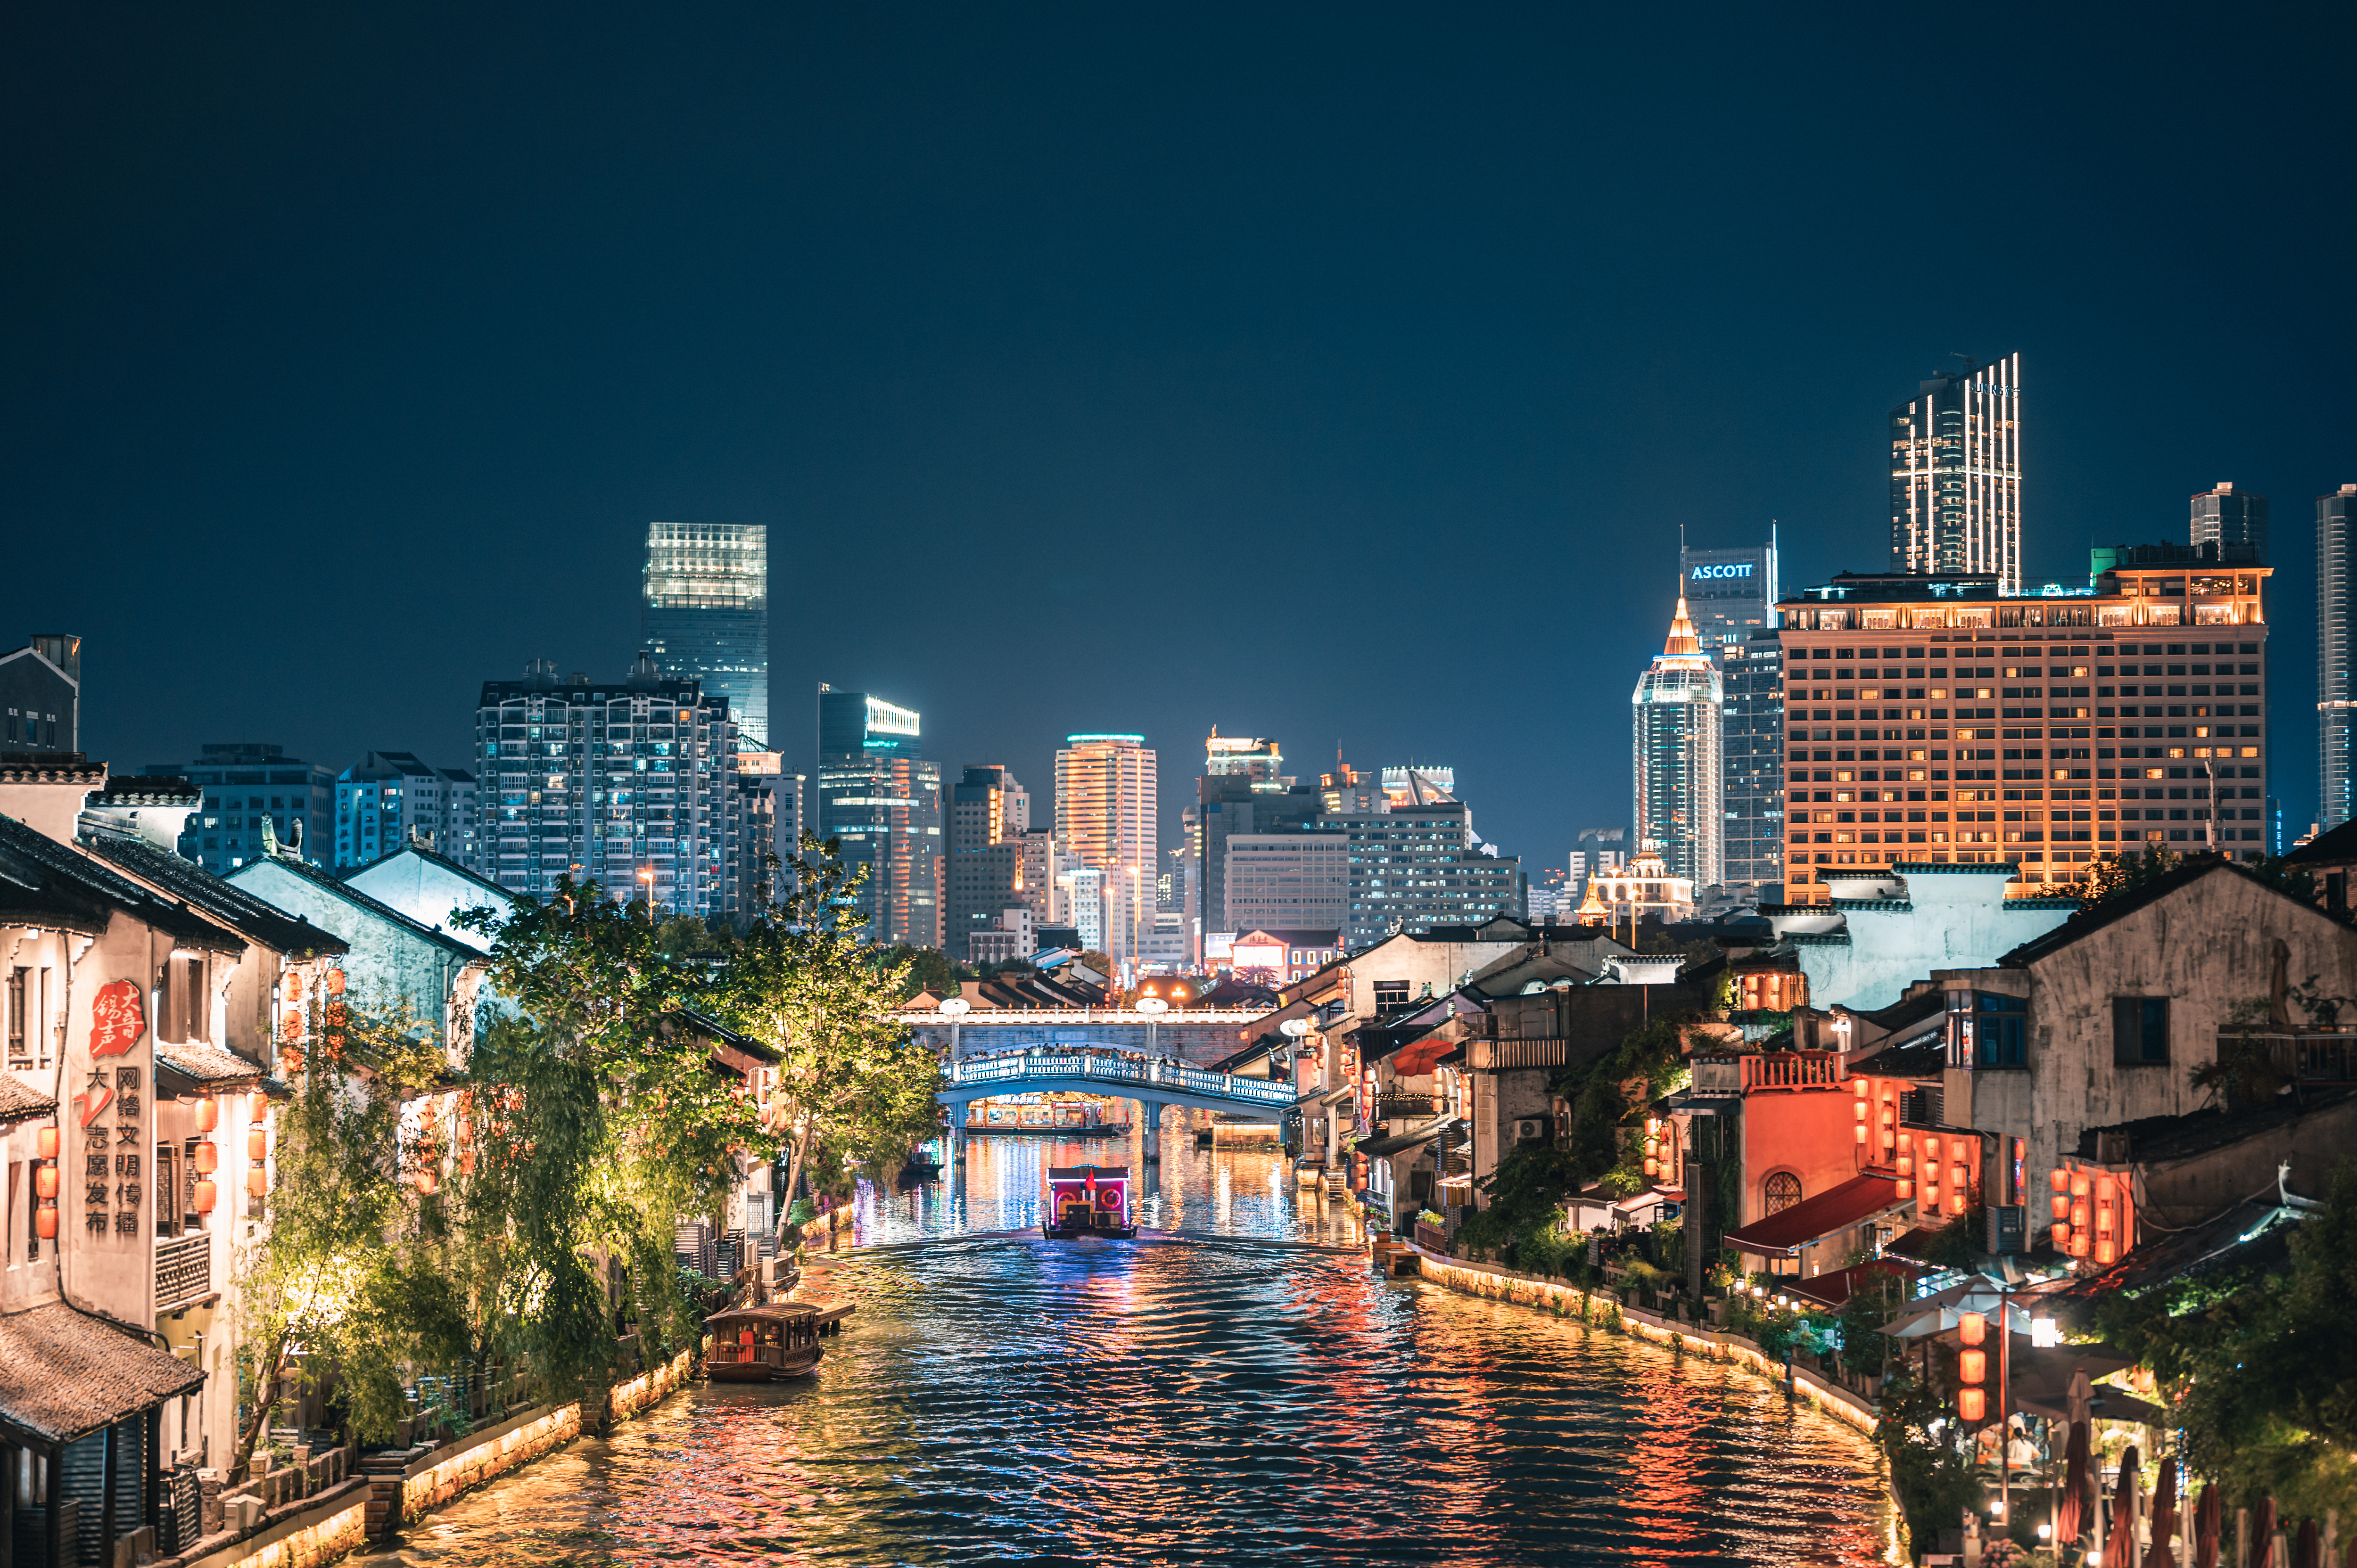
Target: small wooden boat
[[1087, 1200], [762, 1344]]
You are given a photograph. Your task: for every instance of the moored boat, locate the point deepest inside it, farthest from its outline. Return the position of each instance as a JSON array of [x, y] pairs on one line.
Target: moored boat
[[762, 1344], [1087, 1200]]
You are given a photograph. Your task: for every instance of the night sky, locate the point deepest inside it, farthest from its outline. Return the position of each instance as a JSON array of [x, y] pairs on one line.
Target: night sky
[[1343, 375]]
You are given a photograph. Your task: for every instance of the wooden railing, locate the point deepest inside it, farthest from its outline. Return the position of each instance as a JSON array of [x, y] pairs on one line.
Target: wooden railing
[[2305, 1056], [1794, 1069], [1492, 1055], [184, 1270]]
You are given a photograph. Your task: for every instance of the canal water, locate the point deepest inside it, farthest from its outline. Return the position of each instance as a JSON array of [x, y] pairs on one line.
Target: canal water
[[1228, 1393]]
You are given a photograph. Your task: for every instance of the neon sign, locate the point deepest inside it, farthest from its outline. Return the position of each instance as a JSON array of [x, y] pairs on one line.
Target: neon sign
[[1734, 569]]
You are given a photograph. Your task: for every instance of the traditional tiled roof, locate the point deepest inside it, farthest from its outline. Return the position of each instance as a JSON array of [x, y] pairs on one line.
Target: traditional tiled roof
[[321, 877], [2088, 921], [148, 790], [207, 1064], [225, 901], [2329, 848], [65, 1374], [18, 1103], [45, 883]]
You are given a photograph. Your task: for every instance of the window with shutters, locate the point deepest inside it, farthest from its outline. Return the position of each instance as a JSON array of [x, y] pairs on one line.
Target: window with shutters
[[2139, 1031], [1778, 1192]]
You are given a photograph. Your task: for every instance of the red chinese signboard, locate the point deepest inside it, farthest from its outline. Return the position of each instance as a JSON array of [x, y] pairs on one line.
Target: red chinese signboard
[[116, 1019]]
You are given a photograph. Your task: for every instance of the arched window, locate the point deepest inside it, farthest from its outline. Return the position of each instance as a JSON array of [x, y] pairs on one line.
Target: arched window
[[1779, 1192]]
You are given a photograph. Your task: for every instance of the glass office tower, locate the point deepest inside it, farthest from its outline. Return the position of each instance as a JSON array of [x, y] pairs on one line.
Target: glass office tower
[[704, 616], [2336, 629], [883, 802], [2224, 515], [1955, 476], [1731, 595]]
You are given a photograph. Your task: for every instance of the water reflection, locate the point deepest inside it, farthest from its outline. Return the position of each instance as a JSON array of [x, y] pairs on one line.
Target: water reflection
[[1224, 1400]]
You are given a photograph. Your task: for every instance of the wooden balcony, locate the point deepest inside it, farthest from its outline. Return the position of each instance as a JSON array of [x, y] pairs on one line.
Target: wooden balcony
[[1490, 1055], [1794, 1069], [2304, 1056], [184, 1270]]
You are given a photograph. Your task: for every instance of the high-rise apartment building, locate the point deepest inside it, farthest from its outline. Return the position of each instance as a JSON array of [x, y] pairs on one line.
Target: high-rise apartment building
[[1677, 759], [1731, 596], [883, 801], [1943, 722], [982, 870], [1417, 784], [390, 799], [2336, 648], [1600, 850], [768, 822], [1105, 808], [627, 784], [704, 614], [2224, 515], [1416, 867], [1955, 476], [1252, 759], [250, 787], [1229, 805]]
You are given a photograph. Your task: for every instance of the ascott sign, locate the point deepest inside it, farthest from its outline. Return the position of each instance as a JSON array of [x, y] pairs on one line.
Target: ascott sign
[[1731, 569]]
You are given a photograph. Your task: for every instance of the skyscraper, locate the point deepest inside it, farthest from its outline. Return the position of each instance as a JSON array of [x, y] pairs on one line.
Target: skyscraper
[[389, 799], [1677, 757], [2224, 515], [1105, 805], [626, 784], [1416, 868], [877, 795], [705, 615], [981, 871], [248, 785], [2336, 646], [1732, 597], [1955, 475]]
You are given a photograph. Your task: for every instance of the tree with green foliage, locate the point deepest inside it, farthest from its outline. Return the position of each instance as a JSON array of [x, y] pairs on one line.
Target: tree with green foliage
[[602, 1124], [2261, 1362], [344, 1266], [852, 1086], [922, 969]]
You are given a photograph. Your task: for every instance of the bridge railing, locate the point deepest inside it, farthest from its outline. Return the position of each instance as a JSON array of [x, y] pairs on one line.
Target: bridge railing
[[1120, 1073]]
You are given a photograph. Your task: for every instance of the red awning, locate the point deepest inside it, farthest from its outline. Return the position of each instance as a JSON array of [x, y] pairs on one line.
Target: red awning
[[1814, 1218]]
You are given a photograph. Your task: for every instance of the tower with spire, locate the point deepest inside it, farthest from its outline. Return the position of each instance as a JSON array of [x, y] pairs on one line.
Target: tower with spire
[[1677, 714]]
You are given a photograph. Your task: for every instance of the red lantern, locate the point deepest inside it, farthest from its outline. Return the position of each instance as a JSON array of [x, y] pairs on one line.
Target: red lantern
[[45, 1224], [2061, 1234], [1860, 1130], [257, 1182], [1906, 1188], [1972, 1405], [257, 1106], [257, 1144], [2061, 1180], [1972, 1328], [208, 1114], [1972, 1366], [427, 1180], [2063, 1207], [204, 1196], [206, 1158], [45, 1182], [48, 1143]]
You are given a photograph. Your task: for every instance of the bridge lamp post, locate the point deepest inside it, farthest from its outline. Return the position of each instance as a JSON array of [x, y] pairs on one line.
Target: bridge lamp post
[[1295, 1030], [955, 1008], [1150, 1113]]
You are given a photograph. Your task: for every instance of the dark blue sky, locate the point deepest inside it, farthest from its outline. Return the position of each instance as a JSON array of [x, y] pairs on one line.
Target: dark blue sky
[[1335, 374]]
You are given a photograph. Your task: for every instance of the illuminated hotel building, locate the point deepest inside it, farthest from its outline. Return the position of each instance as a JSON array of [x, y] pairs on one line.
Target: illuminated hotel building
[[2336, 648], [1106, 804], [704, 614], [1676, 757], [1955, 476], [878, 796], [1932, 720], [1731, 596]]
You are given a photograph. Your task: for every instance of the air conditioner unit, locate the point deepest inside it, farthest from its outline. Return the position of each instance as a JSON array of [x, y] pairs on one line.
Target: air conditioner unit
[[1531, 1130]]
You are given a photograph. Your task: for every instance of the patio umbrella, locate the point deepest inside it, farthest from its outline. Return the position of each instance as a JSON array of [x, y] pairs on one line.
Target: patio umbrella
[[2070, 1515], [2264, 1543], [2121, 1536], [1937, 1313], [2307, 1551], [2164, 1520], [2209, 1520]]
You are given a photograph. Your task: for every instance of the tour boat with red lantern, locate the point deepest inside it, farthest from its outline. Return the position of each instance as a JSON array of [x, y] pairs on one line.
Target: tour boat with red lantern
[[762, 1344], [1088, 1201]]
